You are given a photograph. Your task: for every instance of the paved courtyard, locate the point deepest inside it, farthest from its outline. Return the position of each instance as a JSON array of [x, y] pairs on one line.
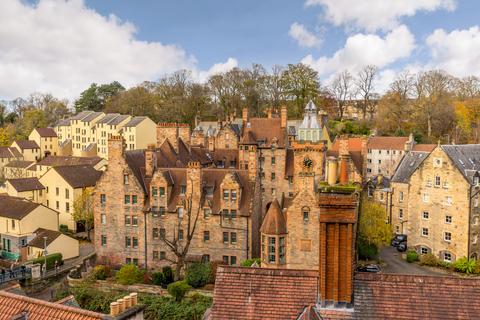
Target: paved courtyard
[[395, 264]]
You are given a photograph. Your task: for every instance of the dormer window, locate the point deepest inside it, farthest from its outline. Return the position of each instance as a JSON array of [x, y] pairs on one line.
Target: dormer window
[[154, 192], [233, 195], [183, 190], [438, 182], [226, 194], [125, 179], [162, 191]]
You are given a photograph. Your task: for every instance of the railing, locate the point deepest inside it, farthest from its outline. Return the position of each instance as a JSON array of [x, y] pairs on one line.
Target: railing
[[9, 255], [18, 273]]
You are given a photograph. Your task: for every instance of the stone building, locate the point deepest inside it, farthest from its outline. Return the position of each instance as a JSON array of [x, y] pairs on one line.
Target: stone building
[[443, 212], [350, 152], [148, 200], [46, 139]]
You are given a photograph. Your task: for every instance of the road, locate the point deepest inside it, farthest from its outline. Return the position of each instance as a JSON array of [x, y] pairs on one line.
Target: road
[[395, 264]]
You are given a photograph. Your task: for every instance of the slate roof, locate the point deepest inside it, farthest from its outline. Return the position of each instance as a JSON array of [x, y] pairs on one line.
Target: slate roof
[[46, 132], [27, 144], [108, 117], [12, 306], [15, 207], [387, 143], [118, 119], [274, 222], [26, 184], [407, 166], [81, 115], [256, 293], [263, 131], [55, 161], [92, 116], [20, 164], [63, 122], [40, 233], [466, 158], [225, 157], [9, 152], [79, 176], [135, 121]]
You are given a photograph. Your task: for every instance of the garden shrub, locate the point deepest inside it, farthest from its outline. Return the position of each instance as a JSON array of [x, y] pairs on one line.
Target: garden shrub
[[167, 308], [63, 228], [101, 272], [129, 274], [198, 274], [158, 278], [429, 259], [367, 251], [178, 290], [412, 256], [95, 300], [249, 262], [51, 258], [464, 265]]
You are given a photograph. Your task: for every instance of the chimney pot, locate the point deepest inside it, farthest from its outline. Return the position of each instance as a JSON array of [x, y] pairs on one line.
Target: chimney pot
[[134, 296], [128, 302], [121, 305], [114, 309]]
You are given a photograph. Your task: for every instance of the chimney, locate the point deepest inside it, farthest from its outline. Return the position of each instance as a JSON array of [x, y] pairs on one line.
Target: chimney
[[344, 168], [343, 148], [245, 115], [332, 170], [121, 305], [150, 160], [409, 144], [283, 117], [194, 180], [133, 296], [116, 147], [114, 309]]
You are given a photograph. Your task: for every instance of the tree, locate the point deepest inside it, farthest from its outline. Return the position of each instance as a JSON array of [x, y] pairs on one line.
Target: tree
[[341, 91], [273, 87], [373, 227], [83, 210], [95, 97], [176, 245], [30, 119], [300, 83], [365, 86]]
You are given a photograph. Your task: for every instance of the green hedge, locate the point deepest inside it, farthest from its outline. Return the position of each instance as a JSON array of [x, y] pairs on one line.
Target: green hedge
[[249, 262], [178, 290], [129, 274], [199, 274], [412, 256], [51, 258]]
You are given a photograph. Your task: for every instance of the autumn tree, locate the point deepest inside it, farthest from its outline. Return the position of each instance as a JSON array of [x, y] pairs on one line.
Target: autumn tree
[[83, 210], [364, 83], [182, 232], [341, 91], [373, 226]]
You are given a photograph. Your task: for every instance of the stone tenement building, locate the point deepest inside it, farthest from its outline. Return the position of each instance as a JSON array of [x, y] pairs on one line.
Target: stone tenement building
[[146, 196]]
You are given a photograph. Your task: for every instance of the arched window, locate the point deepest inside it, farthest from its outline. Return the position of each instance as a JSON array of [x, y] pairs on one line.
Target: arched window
[[306, 214]]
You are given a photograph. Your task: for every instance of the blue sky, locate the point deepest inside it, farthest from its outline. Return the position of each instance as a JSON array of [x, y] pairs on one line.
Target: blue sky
[[61, 46]]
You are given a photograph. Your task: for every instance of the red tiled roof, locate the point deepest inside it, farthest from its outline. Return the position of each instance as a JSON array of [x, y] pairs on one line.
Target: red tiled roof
[[13, 305], [424, 147], [265, 130], [46, 132], [274, 222], [256, 293], [387, 143], [354, 144]]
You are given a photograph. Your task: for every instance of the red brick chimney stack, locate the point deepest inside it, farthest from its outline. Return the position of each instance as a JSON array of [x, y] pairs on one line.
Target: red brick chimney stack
[[283, 117], [344, 168], [245, 115]]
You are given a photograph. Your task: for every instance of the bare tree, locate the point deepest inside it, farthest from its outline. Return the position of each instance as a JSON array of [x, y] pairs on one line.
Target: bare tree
[[273, 86], [403, 85], [341, 90], [179, 247], [365, 87]]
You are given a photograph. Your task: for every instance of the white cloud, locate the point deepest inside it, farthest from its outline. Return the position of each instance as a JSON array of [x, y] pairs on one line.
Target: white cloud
[[62, 46], [303, 37], [364, 49], [373, 15], [457, 52], [216, 69]]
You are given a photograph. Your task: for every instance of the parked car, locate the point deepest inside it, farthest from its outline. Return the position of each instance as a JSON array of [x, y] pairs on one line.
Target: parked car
[[369, 268], [399, 238], [402, 246]]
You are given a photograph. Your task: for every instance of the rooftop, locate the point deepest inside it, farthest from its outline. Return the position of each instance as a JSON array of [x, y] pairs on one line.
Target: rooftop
[[15, 207], [27, 144], [79, 176], [40, 233], [26, 184], [387, 143], [46, 132]]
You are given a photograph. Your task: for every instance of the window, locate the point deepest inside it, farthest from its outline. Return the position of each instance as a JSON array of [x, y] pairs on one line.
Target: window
[[162, 191], [226, 194], [135, 261], [425, 197], [397, 229], [162, 211], [437, 162], [281, 250], [429, 182], [305, 213], [448, 200], [67, 193], [103, 218], [57, 191], [273, 176], [273, 191], [127, 199], [135, 242], [134, 199], [162, 233], [447, 236], [125, 179], [423, 250], [400, 213], [379, 161], [206, 235], [271, 249], [180, 234], [225, 237], [128, 242], [233, 214], [475, 202], [206, 258], [273, 160], [233, 237], [425, 232], [438, 182], [448, 219], [233, 260], [381, 196], [425, 215], [447, 257], [155, 233], [207, 213], [128, 221], [225, 259], [183, 189], [103, 198], [154, 192], [134, 221], [226, 214], [104, 240], [233, 195], [400, 196], [67, 207], [155, 255], [180, 212], [163, 255], [57, 205]]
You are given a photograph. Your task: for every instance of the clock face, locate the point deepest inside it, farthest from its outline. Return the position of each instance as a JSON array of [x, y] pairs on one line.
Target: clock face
[[307, 162]]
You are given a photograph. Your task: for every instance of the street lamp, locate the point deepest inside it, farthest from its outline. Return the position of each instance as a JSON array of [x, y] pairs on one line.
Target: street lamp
[[45, 252]]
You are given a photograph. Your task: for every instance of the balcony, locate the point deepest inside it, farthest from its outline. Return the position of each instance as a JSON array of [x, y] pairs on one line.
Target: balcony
[[9, 255]]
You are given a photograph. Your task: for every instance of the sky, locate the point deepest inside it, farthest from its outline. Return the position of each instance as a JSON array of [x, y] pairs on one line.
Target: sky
[[61, 46]]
